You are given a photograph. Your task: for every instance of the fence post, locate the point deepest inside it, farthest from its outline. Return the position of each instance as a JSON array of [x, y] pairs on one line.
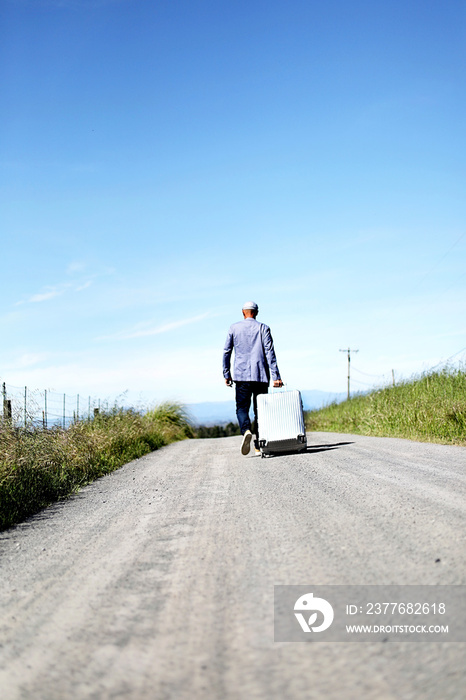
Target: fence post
[[77, 407], [25, 405], [89, 409], [45, 409], [6, 405], [7, 409], [64, 404]]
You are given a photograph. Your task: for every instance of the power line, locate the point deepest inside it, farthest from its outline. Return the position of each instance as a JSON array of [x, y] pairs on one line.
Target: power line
[[434, 267], [363, 383], [443, 362], [366, 374]]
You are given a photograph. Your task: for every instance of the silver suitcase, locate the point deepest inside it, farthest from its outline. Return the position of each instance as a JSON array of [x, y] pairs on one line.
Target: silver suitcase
[[281, 423]]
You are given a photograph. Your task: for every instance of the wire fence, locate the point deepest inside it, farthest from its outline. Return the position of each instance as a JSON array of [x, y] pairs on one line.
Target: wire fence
[[34, 408], [379, 381]]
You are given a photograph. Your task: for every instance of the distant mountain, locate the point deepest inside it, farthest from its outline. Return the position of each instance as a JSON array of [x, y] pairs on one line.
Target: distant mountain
[[222, 412], [212, 412], [314, 398]]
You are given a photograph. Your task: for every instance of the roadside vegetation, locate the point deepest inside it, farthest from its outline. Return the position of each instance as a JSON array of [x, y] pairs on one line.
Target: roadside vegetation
[[428, 408], [216, 431], [40, 466]]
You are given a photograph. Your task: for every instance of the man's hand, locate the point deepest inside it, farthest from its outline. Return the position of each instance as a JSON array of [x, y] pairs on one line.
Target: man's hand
[[229, 382], [278, 383]]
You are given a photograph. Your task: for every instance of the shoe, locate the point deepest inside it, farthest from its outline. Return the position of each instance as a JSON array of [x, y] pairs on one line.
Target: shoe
[[246, 444], [257, 451]]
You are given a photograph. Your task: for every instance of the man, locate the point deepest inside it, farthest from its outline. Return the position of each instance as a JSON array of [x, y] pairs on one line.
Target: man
[[254, 362]]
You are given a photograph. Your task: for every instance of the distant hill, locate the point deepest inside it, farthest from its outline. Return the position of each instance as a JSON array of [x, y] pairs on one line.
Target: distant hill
[[317, 399], [222, 412]]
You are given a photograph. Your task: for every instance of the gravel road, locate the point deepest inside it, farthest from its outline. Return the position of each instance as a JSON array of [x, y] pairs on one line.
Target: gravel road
[[156, 582]]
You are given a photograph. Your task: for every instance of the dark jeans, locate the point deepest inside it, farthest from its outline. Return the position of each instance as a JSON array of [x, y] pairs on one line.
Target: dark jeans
[[244, 392]]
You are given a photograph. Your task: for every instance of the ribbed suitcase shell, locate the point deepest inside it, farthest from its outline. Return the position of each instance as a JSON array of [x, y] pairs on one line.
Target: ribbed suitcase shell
[[281, 422]]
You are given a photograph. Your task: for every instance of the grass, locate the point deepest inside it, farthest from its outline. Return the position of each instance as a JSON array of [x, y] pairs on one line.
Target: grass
[[429, 408], [38, 467]]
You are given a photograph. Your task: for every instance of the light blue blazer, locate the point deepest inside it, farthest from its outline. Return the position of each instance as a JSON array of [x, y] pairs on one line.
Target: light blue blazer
[[255, 357]]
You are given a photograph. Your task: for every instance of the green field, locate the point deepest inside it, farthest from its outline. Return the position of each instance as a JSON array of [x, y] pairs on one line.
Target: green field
[[40, 466], [428, 408]]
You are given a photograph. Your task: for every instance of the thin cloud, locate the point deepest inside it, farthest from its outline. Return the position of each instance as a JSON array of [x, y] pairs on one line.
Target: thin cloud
[[45, 296], [75, 266], [86, 285], [53, 292], [25, 361], [165, 328], [49, 293]]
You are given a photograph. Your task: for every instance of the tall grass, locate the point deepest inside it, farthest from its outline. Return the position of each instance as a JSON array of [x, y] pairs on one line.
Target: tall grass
[[429, 408], [38, 467]]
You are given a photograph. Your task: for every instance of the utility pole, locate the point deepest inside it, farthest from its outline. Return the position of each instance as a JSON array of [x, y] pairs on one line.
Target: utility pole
[[349, 351]]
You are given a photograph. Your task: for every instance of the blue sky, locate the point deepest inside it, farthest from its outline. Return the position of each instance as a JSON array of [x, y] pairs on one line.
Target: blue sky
[[163, 162]]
